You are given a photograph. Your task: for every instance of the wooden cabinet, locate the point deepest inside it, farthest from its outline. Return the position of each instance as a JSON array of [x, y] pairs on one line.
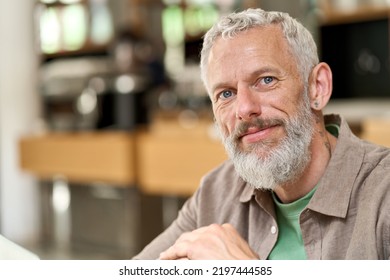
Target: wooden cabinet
[[165, 160], [377, 130], [171, 160], [80, 157]]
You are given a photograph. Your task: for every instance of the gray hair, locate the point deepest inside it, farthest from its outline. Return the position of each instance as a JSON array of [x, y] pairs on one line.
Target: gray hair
[[301, 42]]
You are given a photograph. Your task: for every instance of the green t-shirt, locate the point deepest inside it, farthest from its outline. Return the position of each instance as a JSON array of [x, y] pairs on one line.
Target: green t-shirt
[[289, 245]]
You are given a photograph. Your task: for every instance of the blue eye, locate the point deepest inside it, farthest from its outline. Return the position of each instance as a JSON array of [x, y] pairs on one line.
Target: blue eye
[[226, 94], [268, 80]]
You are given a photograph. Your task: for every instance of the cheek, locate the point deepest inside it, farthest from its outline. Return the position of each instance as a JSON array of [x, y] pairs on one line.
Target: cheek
[[225, 120]]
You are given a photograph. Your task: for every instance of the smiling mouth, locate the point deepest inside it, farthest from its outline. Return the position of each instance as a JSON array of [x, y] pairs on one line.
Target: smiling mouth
[[254, 130], [257, 130], [257, 135]]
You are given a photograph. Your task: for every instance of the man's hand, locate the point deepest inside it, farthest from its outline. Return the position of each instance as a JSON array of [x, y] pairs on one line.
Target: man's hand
[[214, 242]]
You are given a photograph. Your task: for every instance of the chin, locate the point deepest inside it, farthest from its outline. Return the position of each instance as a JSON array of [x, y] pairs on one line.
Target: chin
[[262, 149]]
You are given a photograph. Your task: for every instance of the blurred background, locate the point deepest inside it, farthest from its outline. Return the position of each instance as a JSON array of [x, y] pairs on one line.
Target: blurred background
[[105, 128]]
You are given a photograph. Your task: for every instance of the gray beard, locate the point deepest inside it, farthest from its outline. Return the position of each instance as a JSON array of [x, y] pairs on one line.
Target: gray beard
[[283, 164]]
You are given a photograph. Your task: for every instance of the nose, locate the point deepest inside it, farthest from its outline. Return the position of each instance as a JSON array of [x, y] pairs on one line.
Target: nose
[[247, 105]]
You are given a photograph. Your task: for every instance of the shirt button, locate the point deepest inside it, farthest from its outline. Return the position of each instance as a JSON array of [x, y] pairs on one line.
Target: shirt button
[[273, 229]]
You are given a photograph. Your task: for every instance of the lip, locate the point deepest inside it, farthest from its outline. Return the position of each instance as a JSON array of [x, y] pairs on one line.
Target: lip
[[255, 134]]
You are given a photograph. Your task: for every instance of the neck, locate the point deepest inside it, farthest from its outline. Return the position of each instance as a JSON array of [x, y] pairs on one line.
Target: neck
[[321, 148]]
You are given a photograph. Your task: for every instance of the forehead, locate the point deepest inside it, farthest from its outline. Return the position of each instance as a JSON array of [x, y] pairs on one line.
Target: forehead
[[257, 47]]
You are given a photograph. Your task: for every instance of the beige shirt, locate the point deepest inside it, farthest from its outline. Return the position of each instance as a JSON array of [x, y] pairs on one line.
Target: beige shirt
[[348, 216]]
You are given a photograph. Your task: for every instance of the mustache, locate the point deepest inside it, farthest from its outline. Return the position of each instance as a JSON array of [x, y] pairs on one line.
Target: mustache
[[259, 123]]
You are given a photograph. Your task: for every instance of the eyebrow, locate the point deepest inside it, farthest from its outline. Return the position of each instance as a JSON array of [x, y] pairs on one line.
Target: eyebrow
[[267, 69], [259, 72]]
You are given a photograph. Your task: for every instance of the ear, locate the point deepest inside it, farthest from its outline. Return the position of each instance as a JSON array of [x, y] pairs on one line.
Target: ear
[[320, 86]]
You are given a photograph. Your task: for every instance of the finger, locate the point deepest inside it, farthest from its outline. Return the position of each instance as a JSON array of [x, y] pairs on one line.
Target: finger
[[187, 242], [195, 234], [177, 251], [180, 247]]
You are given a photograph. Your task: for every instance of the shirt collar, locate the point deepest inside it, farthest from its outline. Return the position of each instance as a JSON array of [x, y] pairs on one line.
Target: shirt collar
[[247, 193], [262, 197], [333, 195]]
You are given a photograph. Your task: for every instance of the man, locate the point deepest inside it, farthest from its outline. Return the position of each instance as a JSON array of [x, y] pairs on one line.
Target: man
[[298, 185]]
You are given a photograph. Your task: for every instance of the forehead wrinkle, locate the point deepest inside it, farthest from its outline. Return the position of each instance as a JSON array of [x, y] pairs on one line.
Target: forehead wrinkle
[[241, 53]]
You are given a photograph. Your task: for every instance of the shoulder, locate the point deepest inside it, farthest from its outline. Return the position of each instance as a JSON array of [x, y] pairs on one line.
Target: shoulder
[[374, 181], [376, 161], [370, 160]]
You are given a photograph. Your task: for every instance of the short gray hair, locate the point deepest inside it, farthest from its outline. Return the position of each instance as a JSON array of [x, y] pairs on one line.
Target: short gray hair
[[301, 42]]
